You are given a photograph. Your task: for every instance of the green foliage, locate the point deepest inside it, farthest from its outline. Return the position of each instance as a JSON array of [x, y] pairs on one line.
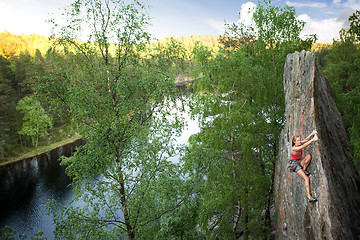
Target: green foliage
[[354, 29], [28, 57], [118, 88], [321, 51], [23, 72], [189, 42], [236, 36], [121, 101], [241, 112], [277, 24], [169, 56], [233, 183], [278, 33], [16, 74], [36, 121], [6, 104], [9, 233]]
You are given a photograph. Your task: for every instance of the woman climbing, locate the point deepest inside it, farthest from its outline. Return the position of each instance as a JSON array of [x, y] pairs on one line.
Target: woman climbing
[[299, 164]]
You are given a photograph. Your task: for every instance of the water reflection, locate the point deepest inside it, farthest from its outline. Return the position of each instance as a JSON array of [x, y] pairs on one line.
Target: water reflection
[[26, 186]]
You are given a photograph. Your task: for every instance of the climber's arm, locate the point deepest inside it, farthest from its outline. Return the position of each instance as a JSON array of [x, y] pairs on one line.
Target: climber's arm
[[315, 138], [308, 137]]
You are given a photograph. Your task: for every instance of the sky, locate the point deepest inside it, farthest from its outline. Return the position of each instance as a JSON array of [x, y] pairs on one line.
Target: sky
[[187, 17]]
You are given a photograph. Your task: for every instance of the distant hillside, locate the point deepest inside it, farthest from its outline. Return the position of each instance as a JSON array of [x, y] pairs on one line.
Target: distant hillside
[[188, 42], [12, 44]]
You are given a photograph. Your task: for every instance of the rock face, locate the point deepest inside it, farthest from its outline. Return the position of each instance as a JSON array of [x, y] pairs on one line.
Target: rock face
[[334, 180]]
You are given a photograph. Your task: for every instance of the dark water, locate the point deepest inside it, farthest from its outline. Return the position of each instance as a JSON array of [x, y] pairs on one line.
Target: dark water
[[25, 188]]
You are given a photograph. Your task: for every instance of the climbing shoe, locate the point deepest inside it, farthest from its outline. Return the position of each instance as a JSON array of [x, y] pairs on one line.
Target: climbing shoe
[[311, 199], [307, 173]]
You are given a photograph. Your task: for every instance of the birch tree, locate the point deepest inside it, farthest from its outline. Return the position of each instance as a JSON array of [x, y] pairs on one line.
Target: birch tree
[[121, 99]]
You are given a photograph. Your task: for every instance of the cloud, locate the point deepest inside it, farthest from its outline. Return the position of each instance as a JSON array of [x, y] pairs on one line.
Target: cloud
[[217, 25], [346, 7], [246, 13], [306, 4], [343, 17], [325, 29], [245, 16], [352, 4]]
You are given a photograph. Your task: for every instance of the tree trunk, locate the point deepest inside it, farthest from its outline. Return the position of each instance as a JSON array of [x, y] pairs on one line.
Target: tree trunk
[[124, 208], [237, 219], [246, 216]]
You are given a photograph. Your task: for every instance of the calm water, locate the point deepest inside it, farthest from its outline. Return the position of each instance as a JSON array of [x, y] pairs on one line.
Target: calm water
[[26, 186]]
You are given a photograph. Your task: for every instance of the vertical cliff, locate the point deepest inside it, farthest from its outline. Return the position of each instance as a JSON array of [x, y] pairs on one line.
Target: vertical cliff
[[334, 180]]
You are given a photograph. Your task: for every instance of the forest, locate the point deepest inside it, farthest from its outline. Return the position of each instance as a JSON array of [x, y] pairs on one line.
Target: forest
[[116, 90]]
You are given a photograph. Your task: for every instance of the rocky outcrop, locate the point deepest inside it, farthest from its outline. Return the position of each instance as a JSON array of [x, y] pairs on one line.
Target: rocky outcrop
[[310, 105]]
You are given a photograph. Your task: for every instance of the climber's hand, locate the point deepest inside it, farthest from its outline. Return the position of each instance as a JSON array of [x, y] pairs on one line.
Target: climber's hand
[[315, 138], [314, 132]]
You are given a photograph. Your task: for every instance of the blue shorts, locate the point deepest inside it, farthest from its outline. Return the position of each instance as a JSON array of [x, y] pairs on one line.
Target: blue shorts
[[295, 165]]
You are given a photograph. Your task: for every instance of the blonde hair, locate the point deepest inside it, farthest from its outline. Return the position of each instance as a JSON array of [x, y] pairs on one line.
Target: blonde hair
[[294, 139]]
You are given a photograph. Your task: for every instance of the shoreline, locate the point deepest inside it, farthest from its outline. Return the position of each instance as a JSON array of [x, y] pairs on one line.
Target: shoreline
[[41, 150]]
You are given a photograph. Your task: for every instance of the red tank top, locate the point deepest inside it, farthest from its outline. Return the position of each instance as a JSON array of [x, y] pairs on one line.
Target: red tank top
[[298, 155]]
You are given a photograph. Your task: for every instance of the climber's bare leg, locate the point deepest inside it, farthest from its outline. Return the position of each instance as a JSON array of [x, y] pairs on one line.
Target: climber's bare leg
[[307, 182], [305, 161]]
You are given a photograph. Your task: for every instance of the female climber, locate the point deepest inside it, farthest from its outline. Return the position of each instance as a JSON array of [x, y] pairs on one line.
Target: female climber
[[299, 164]]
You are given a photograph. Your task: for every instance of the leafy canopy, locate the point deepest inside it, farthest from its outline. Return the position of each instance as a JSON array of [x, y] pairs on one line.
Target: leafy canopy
[[121, 98], [36, 121]]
